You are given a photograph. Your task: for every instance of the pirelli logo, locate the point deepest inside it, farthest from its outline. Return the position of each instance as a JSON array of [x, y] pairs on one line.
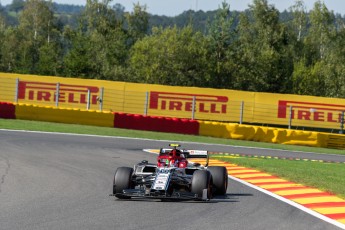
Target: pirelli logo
[[184, 102], [310, 111], [46, 92]]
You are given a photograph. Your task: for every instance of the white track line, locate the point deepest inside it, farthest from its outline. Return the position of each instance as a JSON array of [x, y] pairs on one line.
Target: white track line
[[187, 142], [292, 203]]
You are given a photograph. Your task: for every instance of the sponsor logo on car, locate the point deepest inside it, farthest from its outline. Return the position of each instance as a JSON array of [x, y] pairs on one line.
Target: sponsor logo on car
[[184, 102], [310, 111], [46, 92]]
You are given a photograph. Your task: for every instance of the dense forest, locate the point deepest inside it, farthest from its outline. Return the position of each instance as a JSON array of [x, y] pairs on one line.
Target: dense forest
[[260, 49]]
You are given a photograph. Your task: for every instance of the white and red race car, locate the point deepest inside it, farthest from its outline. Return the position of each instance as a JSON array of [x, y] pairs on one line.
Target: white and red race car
[[172, 177]]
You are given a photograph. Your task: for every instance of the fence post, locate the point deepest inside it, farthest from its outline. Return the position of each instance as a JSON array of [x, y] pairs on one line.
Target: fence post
[[341, 123], [290, 117], [88, 99], [17, 91], [241, 112], [193, 108], [57, 94], [146, 103], [100, 99]]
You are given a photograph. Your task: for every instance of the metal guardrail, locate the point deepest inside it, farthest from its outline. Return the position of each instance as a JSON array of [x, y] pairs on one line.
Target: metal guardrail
[[139, 102]]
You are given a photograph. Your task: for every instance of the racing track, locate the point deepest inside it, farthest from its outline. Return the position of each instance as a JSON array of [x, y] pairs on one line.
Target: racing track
[[55, 181]]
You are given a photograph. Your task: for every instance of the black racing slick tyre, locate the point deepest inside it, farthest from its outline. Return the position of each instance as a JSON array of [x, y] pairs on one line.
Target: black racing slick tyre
[[201, 180], [122, 180], [219, 179]]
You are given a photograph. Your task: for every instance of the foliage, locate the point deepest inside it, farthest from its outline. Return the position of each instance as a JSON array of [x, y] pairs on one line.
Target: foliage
[[263, 55], [137, 23], [165, 57], [259, 49], [99, 45], [220, 42]]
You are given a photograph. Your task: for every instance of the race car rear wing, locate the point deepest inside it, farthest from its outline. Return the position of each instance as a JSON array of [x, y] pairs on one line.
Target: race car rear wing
[[188, 153], [197, 154]]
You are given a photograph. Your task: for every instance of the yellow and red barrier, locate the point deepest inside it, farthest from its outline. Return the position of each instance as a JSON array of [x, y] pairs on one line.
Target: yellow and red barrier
[[172, 125]]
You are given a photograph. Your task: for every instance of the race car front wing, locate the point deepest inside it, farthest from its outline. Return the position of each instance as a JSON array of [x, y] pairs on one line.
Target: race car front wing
[[162, 195]]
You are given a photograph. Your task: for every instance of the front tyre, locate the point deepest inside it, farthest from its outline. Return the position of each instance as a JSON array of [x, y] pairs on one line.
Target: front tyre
[[122, 180], [219, 178], [202, 180]]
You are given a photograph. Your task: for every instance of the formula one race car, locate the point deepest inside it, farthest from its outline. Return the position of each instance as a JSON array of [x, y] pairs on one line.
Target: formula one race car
[[172, 177]]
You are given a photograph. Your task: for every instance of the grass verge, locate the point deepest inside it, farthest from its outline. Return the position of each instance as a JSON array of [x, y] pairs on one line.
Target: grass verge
[[83, 129], [324, 176]]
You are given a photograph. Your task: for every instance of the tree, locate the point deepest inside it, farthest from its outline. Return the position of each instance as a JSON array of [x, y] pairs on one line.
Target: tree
[[263, 55], [334, 66], [220, 39], [36, 20], [49, 59], [17, 5], [138, 23], [101, 41], [299, 22], [2, 39], [308, 80], [321, 31], [323, 58], [36, 25], [77, 62], [170, 56]]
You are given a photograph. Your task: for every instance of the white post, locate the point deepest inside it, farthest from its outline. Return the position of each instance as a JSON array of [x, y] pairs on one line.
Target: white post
[[241, 112], [17, 91], [146, 103], [193, 108], [290, 117], [341, 123], [57, 94], [88, 99], [101, 99]]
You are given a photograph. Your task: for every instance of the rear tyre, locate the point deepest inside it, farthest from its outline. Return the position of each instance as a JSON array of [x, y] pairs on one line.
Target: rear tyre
[[122, 180], [219, 179], [202, 180]]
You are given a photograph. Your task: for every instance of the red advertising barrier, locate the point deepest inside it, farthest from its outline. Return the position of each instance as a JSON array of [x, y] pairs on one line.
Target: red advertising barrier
[[160, 124], [7, 110]]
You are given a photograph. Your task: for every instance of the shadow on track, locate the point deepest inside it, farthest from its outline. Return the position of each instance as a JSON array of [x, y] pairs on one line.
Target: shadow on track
[[228, 198]]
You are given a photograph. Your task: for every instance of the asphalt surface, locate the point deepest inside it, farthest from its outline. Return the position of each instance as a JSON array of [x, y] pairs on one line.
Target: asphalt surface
[[54, 181]]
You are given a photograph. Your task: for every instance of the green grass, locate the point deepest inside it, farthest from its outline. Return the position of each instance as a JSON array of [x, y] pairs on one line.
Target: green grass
[[82, 129], [325, 176]]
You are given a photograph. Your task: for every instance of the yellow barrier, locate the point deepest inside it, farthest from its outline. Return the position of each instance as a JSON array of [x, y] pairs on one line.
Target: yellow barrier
[[69, 116], [335, 141], [206, 128], [263, 134], [213, 129]]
